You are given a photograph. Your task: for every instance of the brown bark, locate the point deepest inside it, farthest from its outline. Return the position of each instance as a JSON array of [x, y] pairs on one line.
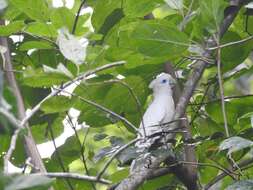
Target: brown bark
[[29, 143]]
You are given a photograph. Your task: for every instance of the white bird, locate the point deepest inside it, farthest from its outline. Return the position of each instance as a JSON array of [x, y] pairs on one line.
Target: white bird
[[160, 111]]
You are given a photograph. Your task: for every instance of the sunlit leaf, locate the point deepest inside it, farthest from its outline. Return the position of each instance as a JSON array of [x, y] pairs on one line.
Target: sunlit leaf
[[234, 144], [159, 39]]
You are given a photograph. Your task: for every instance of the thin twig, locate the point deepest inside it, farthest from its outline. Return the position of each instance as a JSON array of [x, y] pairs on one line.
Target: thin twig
[[75, 176], [59, 156], [114, 156], [64, 86], [137, 178], [228, 172], [200, 105], [222, 98], [102, 108], [12, 147], [77, 17], [221, 88], [225, 98], [81, 148], [37, 107], [200, 58], [231, 43], [29, 143], [241, 165], [11, 118], [137, 101]]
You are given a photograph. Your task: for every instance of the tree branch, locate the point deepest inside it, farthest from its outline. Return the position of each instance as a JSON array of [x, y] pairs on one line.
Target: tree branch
[[64, 86], [30, 145], [77, 17], [100, 107], [221, 87], [116, 153], [138, 177], [75, 176], [224, 174], [231, 43]]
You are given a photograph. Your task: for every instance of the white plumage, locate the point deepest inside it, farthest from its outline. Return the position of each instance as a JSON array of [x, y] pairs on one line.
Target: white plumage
[[160, 111]]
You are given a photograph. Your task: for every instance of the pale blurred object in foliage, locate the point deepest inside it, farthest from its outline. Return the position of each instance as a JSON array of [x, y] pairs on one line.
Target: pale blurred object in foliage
[[234, 144], [72, 48], [175, 4], [3, 5]]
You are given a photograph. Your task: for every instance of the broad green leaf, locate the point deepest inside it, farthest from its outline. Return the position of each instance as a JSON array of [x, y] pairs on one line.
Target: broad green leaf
[[106, 14], [241, 185], [233, 55], [119, 175], [39, 78], [12, 12], [40, 130], [235, 108], [92, 115], [140, 8], [35, 45], [35, 9], [57, 104], [62, 17], [132, 58], [41, 29], [128, 106], [234, 144], [155, 38], [11, 28], [159, 183], [69, 151], [211, 14], [28, 181]]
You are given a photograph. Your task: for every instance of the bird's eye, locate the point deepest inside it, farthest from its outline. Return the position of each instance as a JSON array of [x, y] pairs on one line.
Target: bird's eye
[[164, 81]]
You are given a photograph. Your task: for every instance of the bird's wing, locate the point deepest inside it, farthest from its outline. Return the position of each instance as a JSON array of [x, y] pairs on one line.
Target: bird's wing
[[154, 115]]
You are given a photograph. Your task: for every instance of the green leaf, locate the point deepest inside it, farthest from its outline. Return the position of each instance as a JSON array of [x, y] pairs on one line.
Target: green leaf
[[28, 181], [41, 29], [40, 131], [57, 104], [128, 105], [11, 12], [90, 114], [233, 55], [215, 111], [211, 14], [62, 17], [234, 144], [69, 151], [140, 8], [106, 14], [155, 38], [35, 9], [35, 45], [38, 78], [11, 28], [119, 175]]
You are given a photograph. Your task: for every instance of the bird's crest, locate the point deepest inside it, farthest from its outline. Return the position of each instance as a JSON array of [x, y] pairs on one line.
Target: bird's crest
[[162, 79]]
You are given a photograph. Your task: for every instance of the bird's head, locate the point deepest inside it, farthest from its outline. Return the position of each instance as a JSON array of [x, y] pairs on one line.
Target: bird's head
[[162, 82]]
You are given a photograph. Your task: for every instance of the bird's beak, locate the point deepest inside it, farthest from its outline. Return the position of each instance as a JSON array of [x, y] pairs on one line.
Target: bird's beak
[[173, 82], [151, 84]]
